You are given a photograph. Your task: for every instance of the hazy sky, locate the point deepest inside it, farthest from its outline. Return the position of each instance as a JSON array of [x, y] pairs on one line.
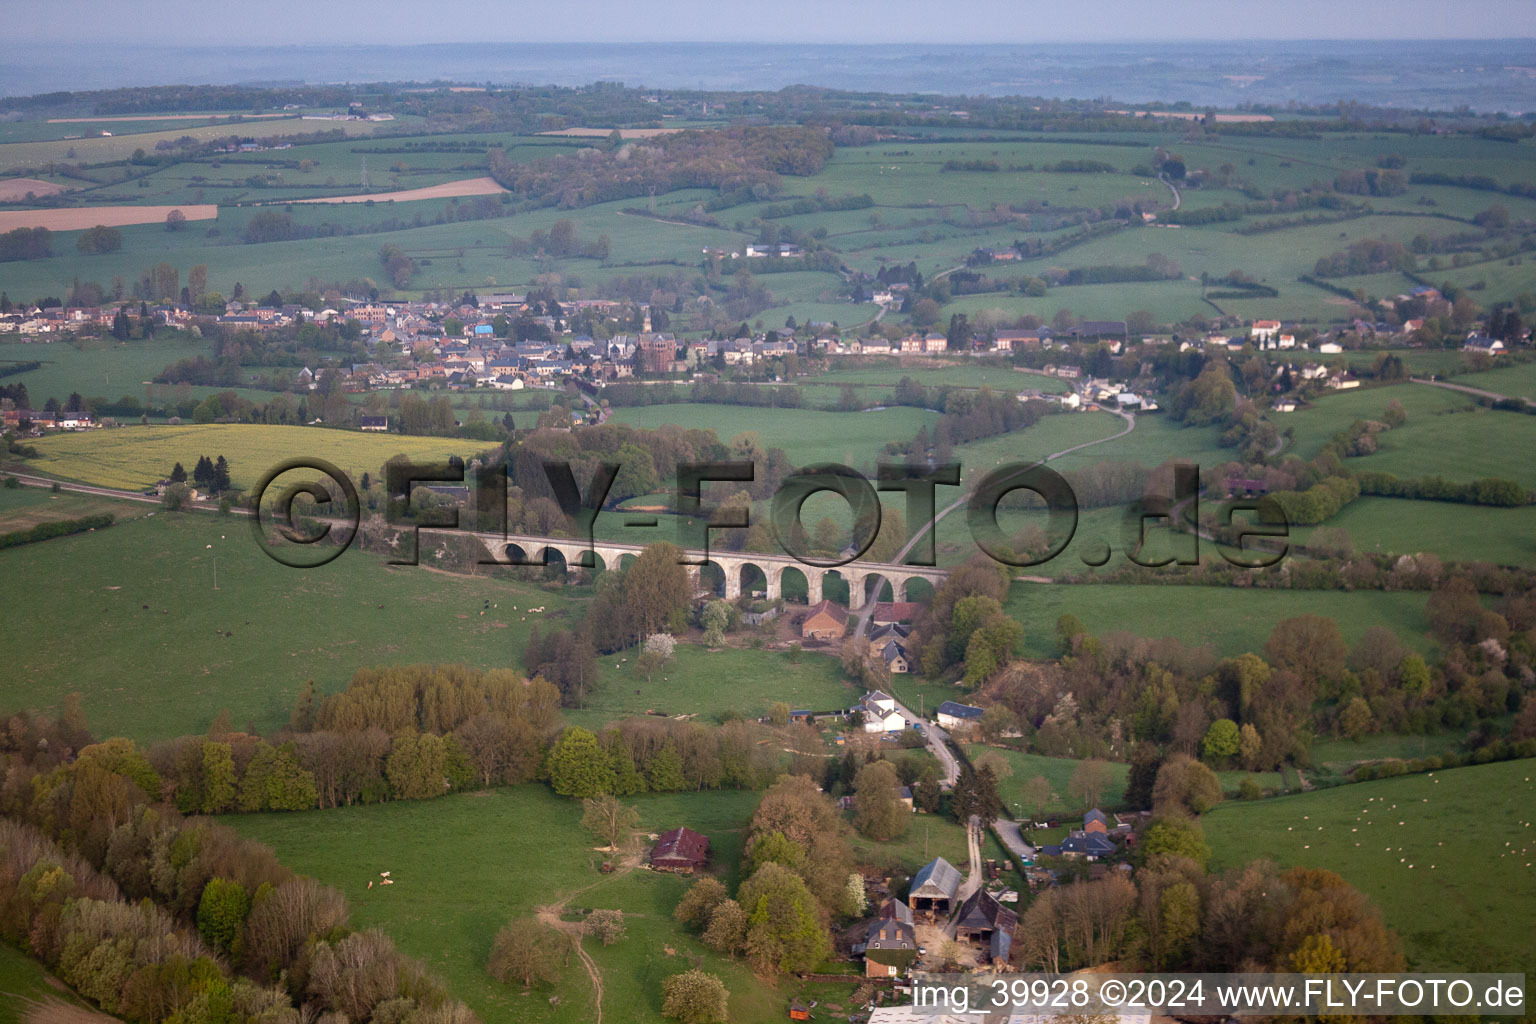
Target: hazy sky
[[205, 22]]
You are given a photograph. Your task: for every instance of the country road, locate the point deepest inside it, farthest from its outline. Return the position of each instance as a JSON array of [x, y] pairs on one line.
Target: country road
[[938, 739], [28, 480], [1178, 200], [1464, 389], [906, 549]]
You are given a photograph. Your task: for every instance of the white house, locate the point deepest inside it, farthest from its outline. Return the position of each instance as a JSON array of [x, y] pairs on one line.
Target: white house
[[880, 714], [1487, 346], [1263, 330], [876, 720]]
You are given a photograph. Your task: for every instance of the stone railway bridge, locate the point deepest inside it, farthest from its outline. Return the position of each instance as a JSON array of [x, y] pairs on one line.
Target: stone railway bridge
[[863, 578]]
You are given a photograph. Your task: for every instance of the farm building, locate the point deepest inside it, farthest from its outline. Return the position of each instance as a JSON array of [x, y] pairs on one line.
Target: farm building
[[982, 916], [888, 613], [681, 850], [954, 715], [934, 888], [1096, 821], [824, 621]]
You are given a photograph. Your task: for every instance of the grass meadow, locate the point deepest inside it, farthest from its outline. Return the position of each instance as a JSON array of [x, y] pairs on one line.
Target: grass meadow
[[166, 669], [1229, 622], [94, 367], [1446, 856], [135, 457], [466, 864], [807, 436]]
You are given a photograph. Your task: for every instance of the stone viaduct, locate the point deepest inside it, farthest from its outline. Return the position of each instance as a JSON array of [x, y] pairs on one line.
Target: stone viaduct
[[733, 565]]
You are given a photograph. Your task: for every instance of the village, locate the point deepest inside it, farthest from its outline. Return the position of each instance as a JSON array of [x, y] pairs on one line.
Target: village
[[505, 342]]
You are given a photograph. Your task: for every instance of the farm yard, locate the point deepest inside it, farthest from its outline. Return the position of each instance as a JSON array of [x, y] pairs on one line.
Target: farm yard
[[1446, 856]]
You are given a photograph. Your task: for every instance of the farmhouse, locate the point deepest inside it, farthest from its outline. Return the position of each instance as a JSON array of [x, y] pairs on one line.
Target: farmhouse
[[934, 888], [895, 657], [890, 943], [824, 620], [681, 850], [1096, 821]]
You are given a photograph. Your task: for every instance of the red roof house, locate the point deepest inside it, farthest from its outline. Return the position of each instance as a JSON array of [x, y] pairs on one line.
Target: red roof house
[[682, 850]]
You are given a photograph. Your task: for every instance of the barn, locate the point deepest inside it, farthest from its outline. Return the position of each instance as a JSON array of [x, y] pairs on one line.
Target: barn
[[681, 850]]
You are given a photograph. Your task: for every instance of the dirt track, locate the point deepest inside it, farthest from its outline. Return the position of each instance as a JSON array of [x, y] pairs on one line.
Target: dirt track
[[447, 190], [89, 217]]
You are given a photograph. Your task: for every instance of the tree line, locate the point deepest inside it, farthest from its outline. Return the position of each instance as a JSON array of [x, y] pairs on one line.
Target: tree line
[[156, 917]]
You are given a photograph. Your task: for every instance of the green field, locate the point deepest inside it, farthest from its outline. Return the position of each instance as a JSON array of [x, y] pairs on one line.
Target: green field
[[1055, 770], [1334, 759], [1230, 623], [94, 368], [167, 669], [135, 457], [1058, 772], [702, 682], [1447, 434], [807, 436], [1446, 856], [466, 864], [1506, 536], [1516, 381], [24, 507], [1003, 379]]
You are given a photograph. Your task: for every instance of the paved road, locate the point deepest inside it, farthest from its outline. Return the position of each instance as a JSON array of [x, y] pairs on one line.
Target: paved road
[[1012, 837], [29, 480], [938, 744]]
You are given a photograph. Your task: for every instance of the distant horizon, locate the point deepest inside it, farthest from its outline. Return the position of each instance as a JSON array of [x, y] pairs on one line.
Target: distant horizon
[[787, 22], [1419, 74], [74, 39]]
